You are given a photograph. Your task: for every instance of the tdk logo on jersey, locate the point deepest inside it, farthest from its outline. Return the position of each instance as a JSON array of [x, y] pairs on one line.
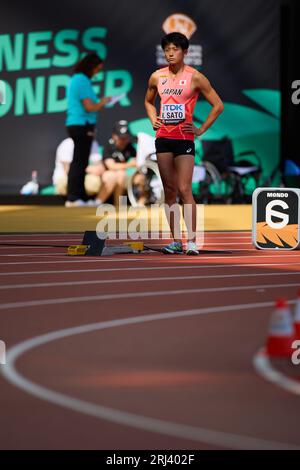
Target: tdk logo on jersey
[[173, 107]]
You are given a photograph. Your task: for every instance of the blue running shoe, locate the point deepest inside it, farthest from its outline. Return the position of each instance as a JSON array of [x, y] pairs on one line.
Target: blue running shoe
[[174, 248]]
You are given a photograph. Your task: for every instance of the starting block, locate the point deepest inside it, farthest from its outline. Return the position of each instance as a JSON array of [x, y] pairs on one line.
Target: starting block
[[77, 250], [116, 250], [94, 246], [276, 218], [137, 247]]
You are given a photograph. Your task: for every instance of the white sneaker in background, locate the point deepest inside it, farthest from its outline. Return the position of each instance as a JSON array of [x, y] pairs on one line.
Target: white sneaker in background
[[191, 249], [32, 187], [94, 202], [77, 203]]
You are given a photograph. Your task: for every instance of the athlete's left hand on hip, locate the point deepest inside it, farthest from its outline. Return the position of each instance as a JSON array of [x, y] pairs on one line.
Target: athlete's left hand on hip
[[192, 129]]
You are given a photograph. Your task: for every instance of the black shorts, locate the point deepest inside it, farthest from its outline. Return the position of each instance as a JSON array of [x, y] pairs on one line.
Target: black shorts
[[175, 146]]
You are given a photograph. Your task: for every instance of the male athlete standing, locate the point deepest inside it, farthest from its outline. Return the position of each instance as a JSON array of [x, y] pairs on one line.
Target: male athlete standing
[[178, 86]]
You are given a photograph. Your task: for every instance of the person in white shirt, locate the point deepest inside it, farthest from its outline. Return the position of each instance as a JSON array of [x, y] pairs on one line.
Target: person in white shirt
[[94, 171]]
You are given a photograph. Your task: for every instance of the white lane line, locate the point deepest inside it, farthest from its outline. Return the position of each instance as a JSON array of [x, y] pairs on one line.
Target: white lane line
[[223, 243], [9, 237], [41, 240], [216, 240], [150, 268], [237, 232], [194, 433], [265, 369], [144, 279], [234, 253], [98, 259], [232, 233], [52, 247], [131, 295], [33, 255], [155, 258], [50, 255], [12, 247]]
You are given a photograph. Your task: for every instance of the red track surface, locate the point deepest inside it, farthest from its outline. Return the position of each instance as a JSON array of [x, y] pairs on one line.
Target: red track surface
[[185, 382]]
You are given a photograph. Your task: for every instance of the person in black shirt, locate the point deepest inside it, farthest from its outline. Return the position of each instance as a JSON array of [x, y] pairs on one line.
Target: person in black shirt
[[118, 158]]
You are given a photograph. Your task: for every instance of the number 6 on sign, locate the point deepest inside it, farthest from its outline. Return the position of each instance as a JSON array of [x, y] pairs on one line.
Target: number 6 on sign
[[276, 218]]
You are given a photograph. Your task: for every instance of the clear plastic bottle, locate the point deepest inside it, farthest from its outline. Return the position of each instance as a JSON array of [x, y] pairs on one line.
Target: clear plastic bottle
[[32, 186]]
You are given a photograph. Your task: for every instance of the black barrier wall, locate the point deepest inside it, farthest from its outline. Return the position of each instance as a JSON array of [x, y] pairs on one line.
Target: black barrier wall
[[290, 89], [235, 43]]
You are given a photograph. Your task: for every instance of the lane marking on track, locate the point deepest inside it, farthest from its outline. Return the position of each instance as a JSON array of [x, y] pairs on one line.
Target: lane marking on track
[[265, 369], [151, 238], [37, 247], [149, 268], [58, 256], [216, 240], [123, 260], [33, 255], [79, 234], [40, 240], [130, 295], [145, 423], [52, 247], [144, 279]]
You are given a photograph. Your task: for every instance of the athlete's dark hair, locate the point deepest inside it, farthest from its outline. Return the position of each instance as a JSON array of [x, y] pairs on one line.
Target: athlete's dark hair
[[88, 64], [178, 39]]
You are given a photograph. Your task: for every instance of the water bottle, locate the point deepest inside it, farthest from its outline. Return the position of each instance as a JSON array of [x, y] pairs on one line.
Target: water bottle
[[32, 187]]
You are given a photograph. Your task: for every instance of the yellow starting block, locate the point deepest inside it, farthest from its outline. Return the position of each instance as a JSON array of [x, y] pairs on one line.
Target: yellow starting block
[[135, 246], [77, 250], [93, 246]]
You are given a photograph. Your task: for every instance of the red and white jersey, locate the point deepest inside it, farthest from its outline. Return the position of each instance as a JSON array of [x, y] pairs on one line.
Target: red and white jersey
[[177, 102]]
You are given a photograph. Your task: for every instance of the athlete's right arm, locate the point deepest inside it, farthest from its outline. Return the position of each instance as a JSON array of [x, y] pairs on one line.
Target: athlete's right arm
[[150, 102]]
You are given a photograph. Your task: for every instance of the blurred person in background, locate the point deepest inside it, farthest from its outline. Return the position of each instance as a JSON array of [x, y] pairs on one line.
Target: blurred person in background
[[119, 158], [93, 172], [82, 108]]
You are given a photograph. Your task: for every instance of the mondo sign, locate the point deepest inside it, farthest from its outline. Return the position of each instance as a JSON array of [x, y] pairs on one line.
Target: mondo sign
[[276, 217]]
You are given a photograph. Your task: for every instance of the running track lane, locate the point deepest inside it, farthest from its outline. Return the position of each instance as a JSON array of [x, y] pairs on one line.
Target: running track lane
[[183, 380]]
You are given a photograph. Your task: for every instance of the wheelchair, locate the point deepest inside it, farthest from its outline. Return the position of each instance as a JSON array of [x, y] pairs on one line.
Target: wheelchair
[[238, 175], [242, 178], [220, 178]]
